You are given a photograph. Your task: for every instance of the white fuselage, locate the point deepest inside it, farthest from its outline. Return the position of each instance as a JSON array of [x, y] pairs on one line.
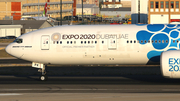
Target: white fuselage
[[87, 44]]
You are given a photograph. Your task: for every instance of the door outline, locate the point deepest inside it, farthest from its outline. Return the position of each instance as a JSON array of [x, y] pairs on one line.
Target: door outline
[[45, 43], [112, 43]]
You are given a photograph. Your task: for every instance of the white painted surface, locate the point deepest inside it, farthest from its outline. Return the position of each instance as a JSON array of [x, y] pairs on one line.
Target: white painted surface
[[156, 10], [143, 6], [151, 10], [158, 19], [175, 16], [161, 10], [177, 10], [172, 10], [166, 10], [9, 94], [10, 30]]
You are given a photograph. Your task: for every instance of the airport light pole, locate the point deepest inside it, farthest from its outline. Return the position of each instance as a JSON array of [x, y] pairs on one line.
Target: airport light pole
[[61, 12], [82, 11], [38, 9], [169, 11], [138, 11]]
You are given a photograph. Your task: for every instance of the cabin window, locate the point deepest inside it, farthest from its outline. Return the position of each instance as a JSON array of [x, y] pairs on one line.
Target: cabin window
[[67, 42], [162, 41], [159, 41], [141, 41], [166, 41], [95, 42], [138, 41], [114, 41], [92, 42], [57, 42], [173, 41], [85, 42], [131, 41], [145, 41], [134, 41], [155, 41], [81, 42], [54, 42], [71, 42], [74, 42], [127, 41], [60, 42], [102, 42], [148, 41], [177, 41], [88, 42], [152, 41]]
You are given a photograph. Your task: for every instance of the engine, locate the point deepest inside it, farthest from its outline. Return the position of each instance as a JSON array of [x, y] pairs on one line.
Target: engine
[[170, 63]]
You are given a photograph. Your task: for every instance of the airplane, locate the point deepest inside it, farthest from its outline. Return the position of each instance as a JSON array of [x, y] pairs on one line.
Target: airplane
[[43, 17], [142, 44]]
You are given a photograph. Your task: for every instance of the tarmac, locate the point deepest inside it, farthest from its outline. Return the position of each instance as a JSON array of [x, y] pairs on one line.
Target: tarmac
[[20, 82]]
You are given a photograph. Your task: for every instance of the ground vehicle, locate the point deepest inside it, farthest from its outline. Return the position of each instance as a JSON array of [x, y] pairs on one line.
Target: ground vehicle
[[74, 18], [3, 38], [11, 37]]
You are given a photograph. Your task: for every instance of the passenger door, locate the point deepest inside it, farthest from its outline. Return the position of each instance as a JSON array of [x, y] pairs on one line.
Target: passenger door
[[112, 43], [45, 42]]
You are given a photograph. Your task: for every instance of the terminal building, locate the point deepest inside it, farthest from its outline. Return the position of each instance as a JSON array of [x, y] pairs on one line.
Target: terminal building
[[10, 9], [30, 8], [139, 11], [116, 3], [164, 11], [15, 9]]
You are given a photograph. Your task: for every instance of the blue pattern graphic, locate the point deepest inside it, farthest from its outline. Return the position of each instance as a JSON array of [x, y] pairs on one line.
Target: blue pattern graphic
[[157, 33], [174, 34], [167, 30], [170, 25], [159, 45], [155, 28], [143, 35]]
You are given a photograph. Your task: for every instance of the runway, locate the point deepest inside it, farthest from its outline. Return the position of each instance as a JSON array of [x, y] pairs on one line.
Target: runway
[[84, 79], [3, 45], [58, 88], [59, 84], [90, 83]]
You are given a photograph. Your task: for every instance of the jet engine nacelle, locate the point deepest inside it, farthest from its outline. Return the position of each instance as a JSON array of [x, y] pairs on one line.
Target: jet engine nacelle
[[170, 63]]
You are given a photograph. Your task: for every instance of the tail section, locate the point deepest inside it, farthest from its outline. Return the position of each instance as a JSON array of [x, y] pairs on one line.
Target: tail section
[[45, 10]]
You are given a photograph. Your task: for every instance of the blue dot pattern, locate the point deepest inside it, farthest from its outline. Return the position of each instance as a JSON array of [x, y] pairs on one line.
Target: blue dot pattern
[[159, 37], [143, 35], [155, 28], [174, 34], [157, 33]]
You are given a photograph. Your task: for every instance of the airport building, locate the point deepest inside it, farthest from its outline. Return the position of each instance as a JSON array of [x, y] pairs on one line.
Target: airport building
[[116, 3], [88, 9], [10, 9], [164, 11], [96, 2], [30, 8], [15, 9], [10, 30], [139, 11]]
